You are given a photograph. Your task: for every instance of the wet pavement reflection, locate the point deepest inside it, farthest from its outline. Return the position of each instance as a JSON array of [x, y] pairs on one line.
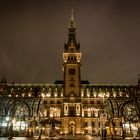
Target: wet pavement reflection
[[53, 138]]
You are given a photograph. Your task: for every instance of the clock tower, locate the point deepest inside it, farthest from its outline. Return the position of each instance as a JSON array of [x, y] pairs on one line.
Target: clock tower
[[71, 65]]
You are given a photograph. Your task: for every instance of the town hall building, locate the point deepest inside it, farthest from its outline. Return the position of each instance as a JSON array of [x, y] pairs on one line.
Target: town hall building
[[69, 106]]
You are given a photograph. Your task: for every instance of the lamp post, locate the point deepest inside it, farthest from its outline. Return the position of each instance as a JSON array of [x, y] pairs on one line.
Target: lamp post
[[97, 124], [138, 132], [103, 120]]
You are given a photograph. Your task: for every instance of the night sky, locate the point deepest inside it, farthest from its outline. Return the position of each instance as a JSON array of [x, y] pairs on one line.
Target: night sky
[[32, 36]]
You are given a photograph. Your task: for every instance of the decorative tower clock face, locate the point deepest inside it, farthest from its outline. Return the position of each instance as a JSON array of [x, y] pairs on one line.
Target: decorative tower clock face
[[72, 71]]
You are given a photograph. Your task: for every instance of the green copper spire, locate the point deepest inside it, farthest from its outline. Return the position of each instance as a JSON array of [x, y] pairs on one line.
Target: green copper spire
[[72, 21], [72, 34]]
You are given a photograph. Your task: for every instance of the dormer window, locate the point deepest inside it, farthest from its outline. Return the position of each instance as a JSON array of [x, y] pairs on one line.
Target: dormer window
[[71, 49]]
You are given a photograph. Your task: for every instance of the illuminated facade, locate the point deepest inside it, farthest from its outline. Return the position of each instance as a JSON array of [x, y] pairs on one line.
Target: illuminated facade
[[79, 106]]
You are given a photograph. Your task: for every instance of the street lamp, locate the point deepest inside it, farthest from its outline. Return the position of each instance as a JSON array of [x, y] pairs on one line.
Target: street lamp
[[103, 120], [12, 122], [96, 111]]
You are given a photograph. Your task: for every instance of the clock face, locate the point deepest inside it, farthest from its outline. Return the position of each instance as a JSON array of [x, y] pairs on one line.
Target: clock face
[[71, 71]]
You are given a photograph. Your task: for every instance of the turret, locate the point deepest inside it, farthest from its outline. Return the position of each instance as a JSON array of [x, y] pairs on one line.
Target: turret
[[71, 65], [3, 81]]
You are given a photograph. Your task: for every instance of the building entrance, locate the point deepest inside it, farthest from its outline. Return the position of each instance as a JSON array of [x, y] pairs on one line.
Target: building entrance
[[72, 127]]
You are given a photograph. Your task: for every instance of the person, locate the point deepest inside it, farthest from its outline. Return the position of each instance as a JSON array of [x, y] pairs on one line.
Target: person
[[138, 132], [124, 133], [40, 134], [10, 138], [103, 133]]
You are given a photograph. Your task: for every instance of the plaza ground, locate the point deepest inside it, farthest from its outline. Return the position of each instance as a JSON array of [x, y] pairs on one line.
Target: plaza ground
[[68, 137]]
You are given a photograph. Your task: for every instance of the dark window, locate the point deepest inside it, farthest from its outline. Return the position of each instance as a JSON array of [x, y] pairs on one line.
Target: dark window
[[92, 102], [86, 131], [86, 124], [71, 49], [85, 95], [93, 131], [72, 71], [91, 94], [98, 102], [58, 102], [45, 102], [52, 102], [85, 114], [114, 124], [93, 123], [72, 111], [84, 102], [72, 58], [36, 91]]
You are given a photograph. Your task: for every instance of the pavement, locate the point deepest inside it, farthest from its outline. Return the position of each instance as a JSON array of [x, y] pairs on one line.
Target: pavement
[[69, 137]]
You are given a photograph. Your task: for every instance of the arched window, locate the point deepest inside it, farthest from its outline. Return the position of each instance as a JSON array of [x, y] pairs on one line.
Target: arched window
[[130, 118]]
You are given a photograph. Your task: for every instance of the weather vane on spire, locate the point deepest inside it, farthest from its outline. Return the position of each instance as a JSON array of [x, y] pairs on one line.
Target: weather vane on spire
[[72, 21]]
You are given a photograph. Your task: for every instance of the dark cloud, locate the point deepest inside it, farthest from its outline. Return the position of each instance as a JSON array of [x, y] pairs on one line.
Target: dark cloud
[[32, 34]]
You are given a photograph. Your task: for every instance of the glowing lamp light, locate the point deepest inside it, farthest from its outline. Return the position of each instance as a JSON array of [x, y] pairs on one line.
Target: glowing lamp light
[[13, 121], [43, 95], [7, 119]]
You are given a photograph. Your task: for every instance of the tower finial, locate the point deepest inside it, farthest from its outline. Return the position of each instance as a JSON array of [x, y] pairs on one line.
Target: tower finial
[[72, 15], [72, 21]]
